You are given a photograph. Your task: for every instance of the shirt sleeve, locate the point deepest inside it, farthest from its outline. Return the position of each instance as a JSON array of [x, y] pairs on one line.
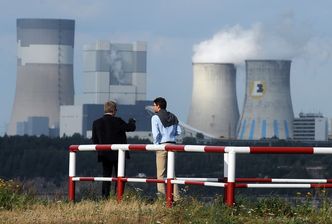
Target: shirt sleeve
[[155, 130], [94, 134], [178, 130], [127, 127]]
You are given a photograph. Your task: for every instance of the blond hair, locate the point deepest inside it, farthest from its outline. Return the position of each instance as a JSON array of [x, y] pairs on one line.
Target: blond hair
[[110, 107]]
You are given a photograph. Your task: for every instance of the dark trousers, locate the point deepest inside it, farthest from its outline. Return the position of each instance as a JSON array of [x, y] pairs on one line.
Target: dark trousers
[[108, 167]]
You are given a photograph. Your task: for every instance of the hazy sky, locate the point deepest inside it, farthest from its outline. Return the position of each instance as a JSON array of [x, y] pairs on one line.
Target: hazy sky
[[179, 30]]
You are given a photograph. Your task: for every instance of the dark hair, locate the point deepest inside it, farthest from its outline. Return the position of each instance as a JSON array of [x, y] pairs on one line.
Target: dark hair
[[161, 102]]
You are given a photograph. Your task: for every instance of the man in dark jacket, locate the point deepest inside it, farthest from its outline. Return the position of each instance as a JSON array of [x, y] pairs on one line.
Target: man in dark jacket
[[110, 129]]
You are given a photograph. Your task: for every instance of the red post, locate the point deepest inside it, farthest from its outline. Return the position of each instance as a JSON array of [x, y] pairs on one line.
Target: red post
[[71, 189], [230, 194], [119, 189], [169, 193], [230, 187], [225, 190]]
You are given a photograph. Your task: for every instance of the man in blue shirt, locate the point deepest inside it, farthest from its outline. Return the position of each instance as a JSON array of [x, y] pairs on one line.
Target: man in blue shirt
[[165, 128]]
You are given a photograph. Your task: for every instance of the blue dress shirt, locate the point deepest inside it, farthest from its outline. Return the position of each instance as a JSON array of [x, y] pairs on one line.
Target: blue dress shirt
[[163, 134]]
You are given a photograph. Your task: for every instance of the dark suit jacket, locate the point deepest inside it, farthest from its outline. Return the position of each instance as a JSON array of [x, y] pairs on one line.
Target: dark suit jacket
[[110, 130]]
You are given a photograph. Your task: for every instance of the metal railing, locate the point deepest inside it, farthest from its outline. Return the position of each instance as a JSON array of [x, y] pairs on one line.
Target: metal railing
[[229, 182]]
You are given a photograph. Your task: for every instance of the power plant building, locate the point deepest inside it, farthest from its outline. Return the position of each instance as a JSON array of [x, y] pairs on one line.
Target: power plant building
[[44, 74], [267, 110], [34, 126], [114, 71], [214, 109], [310, 127], [78, 119]]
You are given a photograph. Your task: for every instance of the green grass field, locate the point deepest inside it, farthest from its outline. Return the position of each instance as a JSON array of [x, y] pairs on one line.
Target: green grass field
[[18, 207]]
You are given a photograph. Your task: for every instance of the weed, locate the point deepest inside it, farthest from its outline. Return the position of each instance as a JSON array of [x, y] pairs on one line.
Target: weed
[[11, 195]]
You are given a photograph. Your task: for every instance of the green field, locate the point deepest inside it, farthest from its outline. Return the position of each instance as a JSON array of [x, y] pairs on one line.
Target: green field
[[17, 206]]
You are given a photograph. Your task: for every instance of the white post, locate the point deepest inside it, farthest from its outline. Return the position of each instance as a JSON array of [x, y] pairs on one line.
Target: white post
[[170, 177], [72, 164], [121, 174], [225, 175], [230, 198], [121, 163], [72, 173], [225, 165], [170, 164], [231, 167]]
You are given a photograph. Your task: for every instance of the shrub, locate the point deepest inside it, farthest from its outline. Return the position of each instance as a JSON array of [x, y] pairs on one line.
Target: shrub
[[11, 195]]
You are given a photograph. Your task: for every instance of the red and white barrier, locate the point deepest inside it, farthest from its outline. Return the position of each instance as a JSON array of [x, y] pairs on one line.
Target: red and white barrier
[[280, 180], [204, 148], [202, 183], [111, 179], [230, 182], [283, 185], [148, 147]]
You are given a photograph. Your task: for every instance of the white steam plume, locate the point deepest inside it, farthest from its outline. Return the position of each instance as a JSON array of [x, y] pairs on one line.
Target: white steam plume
[[230, 45], [283, 40]]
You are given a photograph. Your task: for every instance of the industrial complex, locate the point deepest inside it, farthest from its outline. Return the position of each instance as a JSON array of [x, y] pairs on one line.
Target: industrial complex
[[112, 71], [118, 72], [44, 75]]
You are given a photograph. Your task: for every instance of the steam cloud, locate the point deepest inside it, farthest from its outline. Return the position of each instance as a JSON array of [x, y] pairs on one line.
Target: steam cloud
[[230, 45], [284, 40]]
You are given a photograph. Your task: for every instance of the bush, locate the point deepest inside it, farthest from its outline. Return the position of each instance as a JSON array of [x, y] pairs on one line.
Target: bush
[[11, 195]]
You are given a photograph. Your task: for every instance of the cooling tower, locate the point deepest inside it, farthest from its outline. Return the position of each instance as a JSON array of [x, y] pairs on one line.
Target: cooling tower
[[44, 70], [214, 108], [267, 110]]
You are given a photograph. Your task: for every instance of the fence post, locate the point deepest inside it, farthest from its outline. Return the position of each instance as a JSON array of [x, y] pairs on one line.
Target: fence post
[[231, 178], [72, 173], [121, 174], [170, 177], [225, 175]]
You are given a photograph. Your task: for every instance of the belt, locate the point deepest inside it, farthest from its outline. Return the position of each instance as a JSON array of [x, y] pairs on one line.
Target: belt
[[168, 142]]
